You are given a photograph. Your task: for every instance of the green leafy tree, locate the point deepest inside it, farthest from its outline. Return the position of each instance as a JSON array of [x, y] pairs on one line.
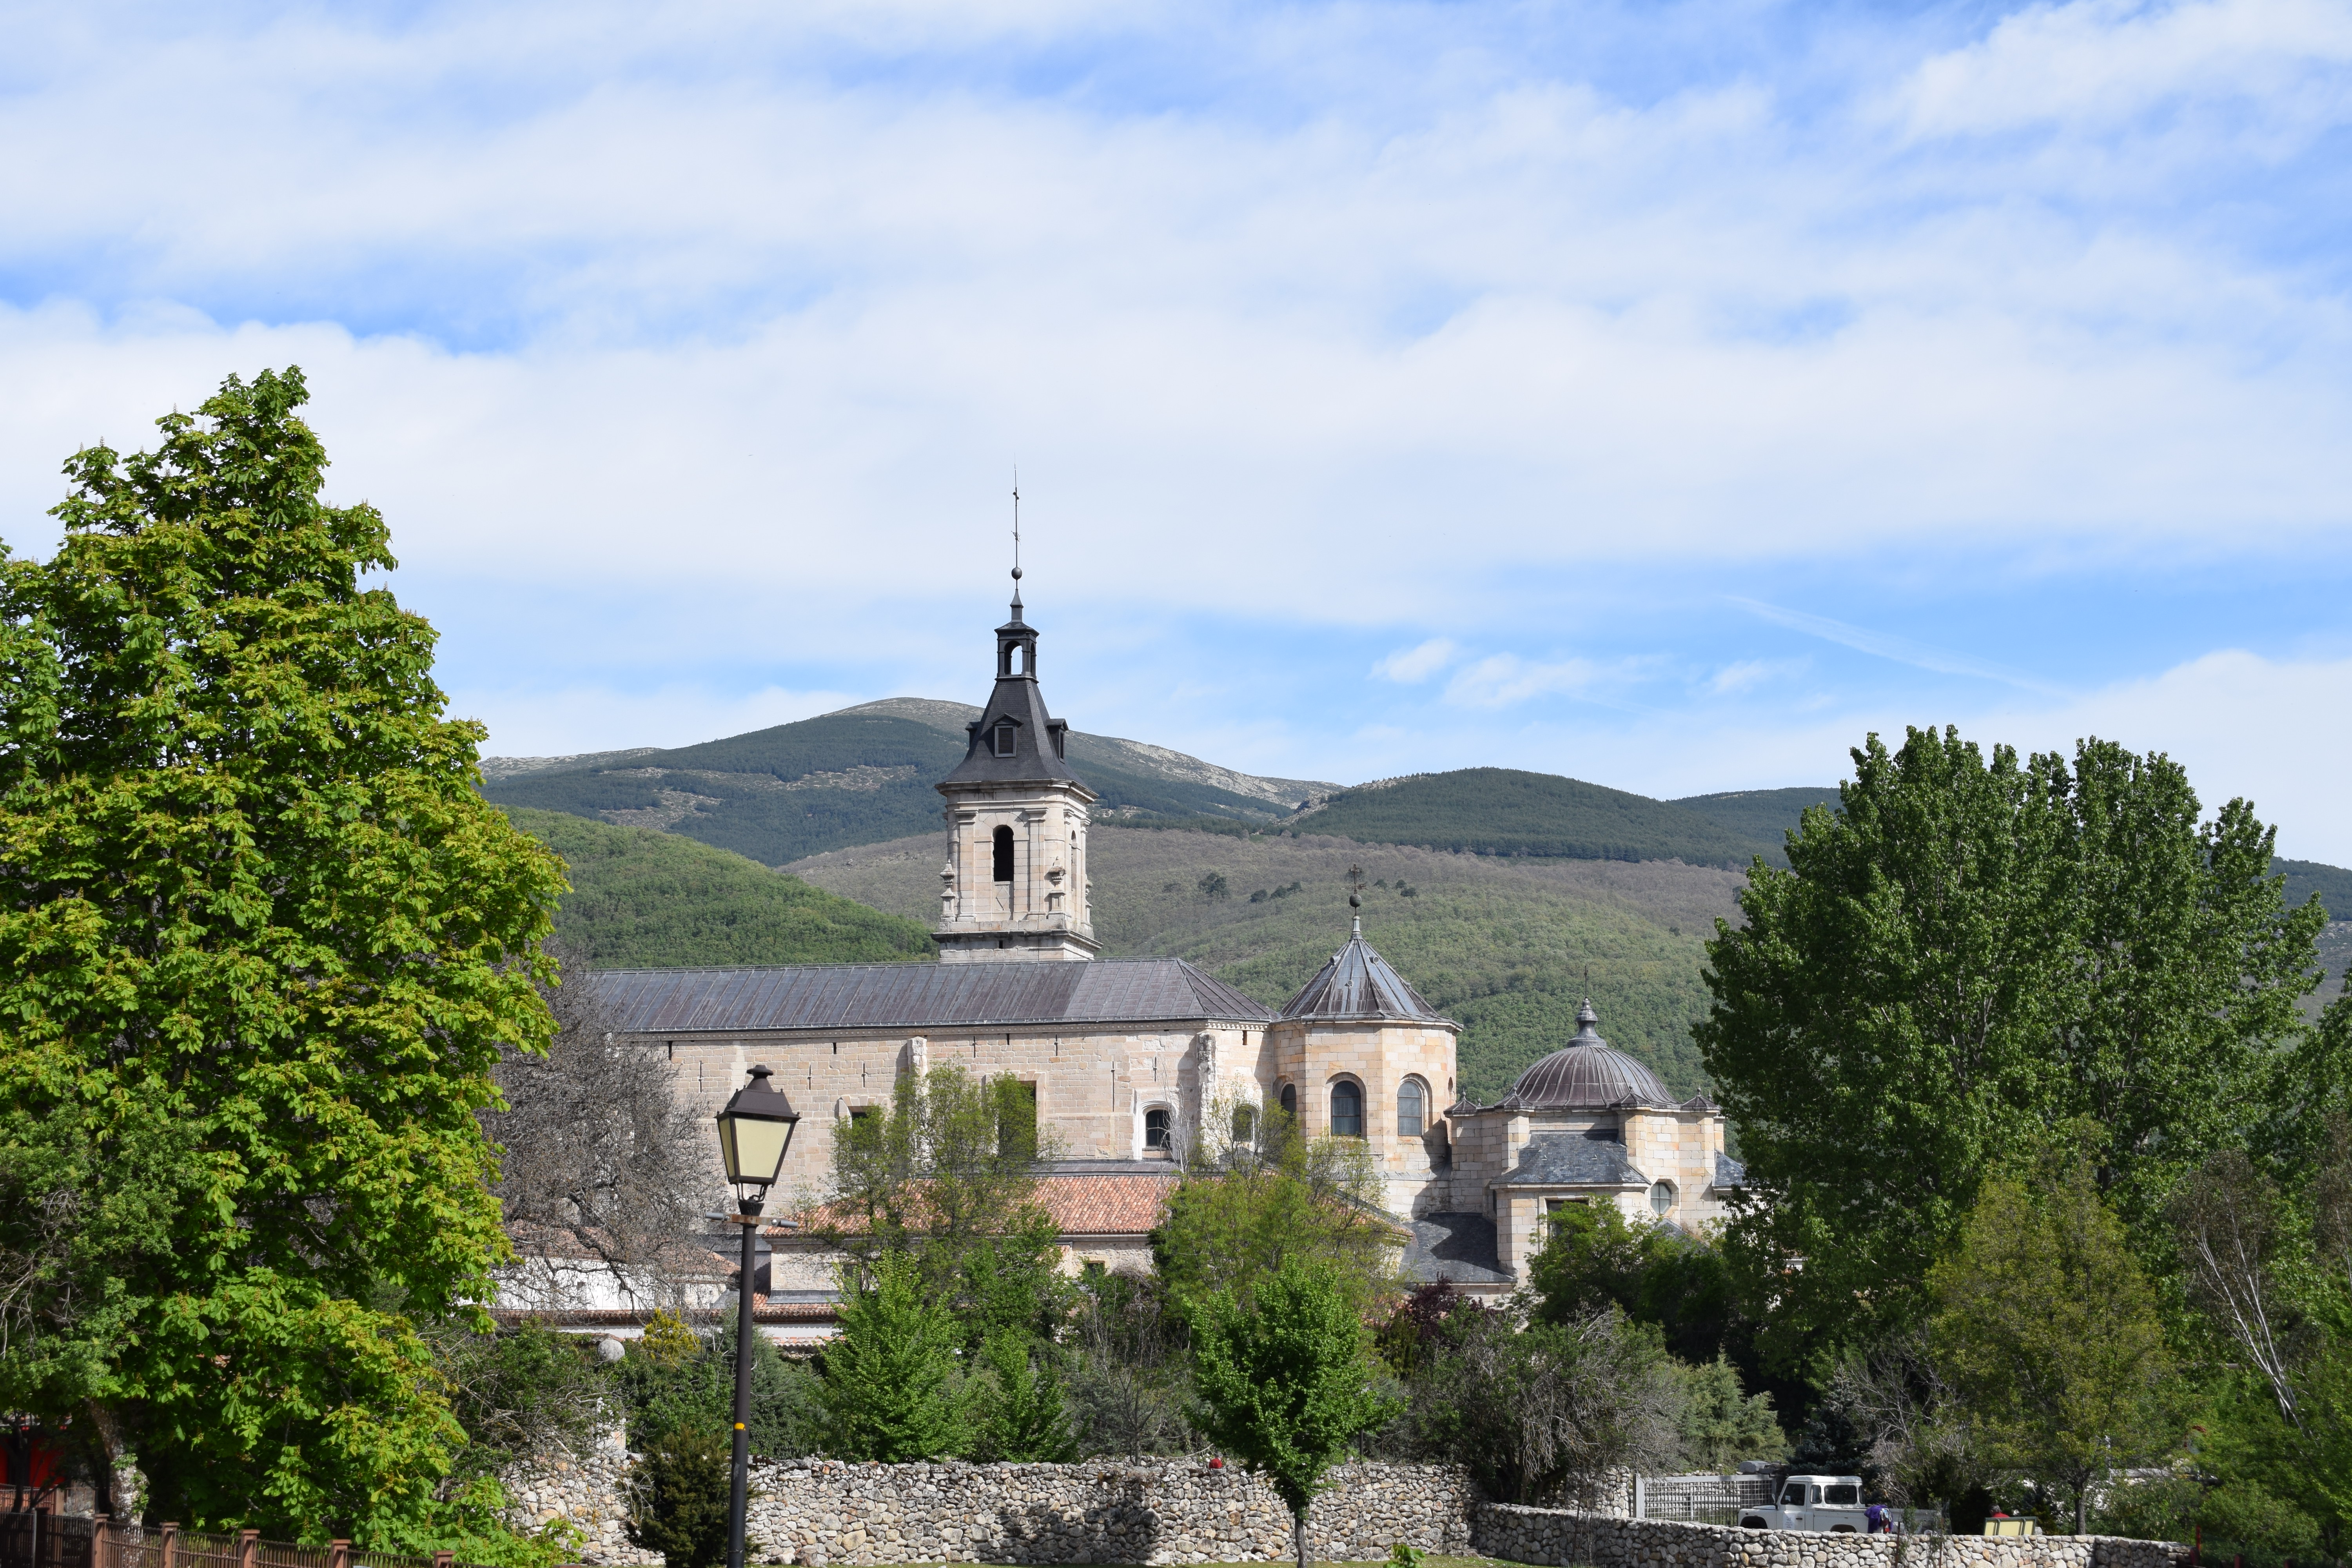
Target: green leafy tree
[[680, 1378], [1245, 1211], [2046, 1332], [518, 1392], [1971, 951], [1285, 1381], [1723, 1424], [681, 1497], [261, 942], [949, 1178], [1023, 1414], [2270, 1271], [889, 1390], [1656, 1273], [1551, 1413]]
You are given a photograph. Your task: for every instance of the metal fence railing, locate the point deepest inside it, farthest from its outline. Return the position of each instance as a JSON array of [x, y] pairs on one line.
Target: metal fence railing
[[31, 1538]]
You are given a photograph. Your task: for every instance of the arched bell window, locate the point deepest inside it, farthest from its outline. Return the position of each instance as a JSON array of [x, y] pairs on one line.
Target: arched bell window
[[1347, 1109], [1290, 1100], [1004, 855], [1155, 1129], [1245, 1123], [1413, 1109]]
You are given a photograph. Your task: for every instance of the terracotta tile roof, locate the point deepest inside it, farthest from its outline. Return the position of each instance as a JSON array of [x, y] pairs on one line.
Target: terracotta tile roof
[[1122, 1204], [1095, 1202]]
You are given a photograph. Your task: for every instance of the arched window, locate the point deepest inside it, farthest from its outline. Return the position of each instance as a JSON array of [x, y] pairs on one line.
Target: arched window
[[1661, 1198], [1347, 1109], [1290, 1100], [1004, 737], [1413, 1109], [1004, 854], [1155, 1129], [1245, 1123]]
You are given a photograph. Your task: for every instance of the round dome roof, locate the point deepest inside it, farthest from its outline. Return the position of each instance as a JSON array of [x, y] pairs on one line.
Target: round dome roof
[[1584, 1075]]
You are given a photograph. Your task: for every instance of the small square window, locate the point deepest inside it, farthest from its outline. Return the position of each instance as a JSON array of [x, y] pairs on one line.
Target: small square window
[[1004, 740]]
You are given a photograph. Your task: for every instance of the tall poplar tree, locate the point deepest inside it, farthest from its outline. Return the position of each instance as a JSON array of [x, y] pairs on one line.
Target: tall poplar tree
[[260, 942], [1969, 953]]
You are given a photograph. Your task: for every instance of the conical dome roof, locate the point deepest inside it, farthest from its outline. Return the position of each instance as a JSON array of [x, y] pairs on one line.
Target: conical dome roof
[[1358, 983], [1584, 1075]]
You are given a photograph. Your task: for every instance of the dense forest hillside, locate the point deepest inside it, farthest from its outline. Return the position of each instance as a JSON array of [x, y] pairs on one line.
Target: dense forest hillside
[[1504, 811], [1502, 946], [1766, 815], [854, 777], [654, 900]]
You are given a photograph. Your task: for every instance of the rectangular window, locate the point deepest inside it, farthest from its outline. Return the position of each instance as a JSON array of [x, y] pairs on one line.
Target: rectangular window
[[1016, 1122]]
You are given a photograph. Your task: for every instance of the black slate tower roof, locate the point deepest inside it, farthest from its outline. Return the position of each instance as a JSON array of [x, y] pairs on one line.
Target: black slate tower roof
[[1585, 1075], [1036, 740], [1358, 983]]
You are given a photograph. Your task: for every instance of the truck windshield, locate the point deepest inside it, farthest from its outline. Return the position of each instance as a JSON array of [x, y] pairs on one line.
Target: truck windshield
[[1848, 1497], [1794, 1497]]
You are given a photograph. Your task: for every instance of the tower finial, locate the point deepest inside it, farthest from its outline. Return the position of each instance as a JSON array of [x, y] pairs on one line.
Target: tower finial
[[1016, 543]]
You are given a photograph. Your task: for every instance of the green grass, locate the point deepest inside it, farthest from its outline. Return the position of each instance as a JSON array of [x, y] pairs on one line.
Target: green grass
[[654, 900], [1504, 811]]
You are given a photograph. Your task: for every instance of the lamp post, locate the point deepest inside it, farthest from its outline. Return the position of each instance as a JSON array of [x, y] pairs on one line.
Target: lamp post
[[754, 1131]]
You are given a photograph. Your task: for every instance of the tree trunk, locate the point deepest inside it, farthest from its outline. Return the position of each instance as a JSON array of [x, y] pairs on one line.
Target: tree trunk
[[124, 1484], [2082, 1506], [1298, 1532]]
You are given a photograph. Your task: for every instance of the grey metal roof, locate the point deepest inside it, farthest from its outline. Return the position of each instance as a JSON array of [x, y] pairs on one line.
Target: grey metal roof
[[1358, 983], [1455, 1246], [919, 995], [1585, 1075], [1573, 1160], [1729, 1172], [1039, 738]]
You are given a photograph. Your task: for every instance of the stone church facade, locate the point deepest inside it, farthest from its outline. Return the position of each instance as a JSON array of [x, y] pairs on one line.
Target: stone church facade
[[1138, 1065]]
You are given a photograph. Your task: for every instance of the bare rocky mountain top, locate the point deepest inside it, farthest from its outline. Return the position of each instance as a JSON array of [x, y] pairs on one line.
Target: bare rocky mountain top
[[515, 767], [950, 718]]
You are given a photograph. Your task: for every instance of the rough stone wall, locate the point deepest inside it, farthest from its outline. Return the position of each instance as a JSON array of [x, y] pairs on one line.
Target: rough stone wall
[[590, 1492], [822, 1512], [1550, 1536]]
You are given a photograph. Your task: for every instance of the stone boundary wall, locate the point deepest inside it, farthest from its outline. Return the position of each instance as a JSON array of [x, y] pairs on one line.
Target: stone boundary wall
[[824, 1511], [1552, 1536]]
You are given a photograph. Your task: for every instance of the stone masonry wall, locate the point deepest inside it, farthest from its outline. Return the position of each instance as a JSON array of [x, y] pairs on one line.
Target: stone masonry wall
[[1550, 1536], [822, 1512]]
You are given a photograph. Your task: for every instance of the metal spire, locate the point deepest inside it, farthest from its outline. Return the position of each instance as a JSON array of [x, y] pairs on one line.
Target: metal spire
[[1016, 543]]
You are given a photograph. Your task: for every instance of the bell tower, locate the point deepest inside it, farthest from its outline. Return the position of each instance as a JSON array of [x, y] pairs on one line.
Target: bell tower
[[1014, 886]]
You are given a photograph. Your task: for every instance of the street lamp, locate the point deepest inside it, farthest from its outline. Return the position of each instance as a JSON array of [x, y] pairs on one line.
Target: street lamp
[[754, 1131]]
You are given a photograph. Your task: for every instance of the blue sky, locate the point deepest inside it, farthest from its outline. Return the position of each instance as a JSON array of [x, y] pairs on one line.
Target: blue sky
[[1664, 394]]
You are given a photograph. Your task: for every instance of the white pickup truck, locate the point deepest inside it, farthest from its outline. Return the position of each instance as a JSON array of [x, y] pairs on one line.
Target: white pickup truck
[[1831, 1504]]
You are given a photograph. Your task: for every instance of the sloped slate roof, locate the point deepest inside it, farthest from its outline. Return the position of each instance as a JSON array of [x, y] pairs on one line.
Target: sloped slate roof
[[1035, 758], [1584, 1075], [1729, 1172], [918, 995], [1459, 1247], [1569, 1159], [1358, 983]]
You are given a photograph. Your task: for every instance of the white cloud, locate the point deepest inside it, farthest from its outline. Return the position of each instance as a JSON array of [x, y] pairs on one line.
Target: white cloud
[[1500, 681], [1742, 676], [1412, 664], [2106, 61]]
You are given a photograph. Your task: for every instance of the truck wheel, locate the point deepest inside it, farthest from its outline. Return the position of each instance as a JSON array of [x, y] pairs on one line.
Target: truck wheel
[[1752, 1522]]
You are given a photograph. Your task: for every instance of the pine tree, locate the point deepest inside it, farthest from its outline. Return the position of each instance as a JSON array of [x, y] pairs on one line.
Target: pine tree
[[887, 1375]]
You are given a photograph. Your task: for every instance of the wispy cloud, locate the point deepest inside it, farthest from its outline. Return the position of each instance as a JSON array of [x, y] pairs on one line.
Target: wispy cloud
[[1412, 664], [1902, 650]]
